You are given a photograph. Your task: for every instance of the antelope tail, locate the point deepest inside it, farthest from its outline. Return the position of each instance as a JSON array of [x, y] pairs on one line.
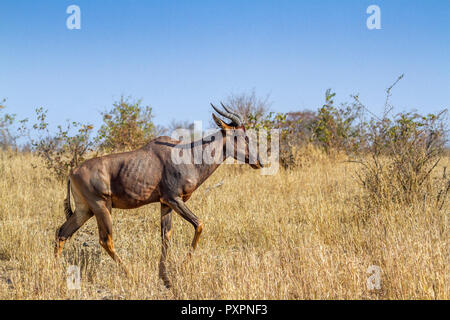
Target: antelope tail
[[67, 209]]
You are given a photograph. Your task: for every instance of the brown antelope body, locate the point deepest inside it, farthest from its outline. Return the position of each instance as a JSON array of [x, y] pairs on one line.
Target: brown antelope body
[[132, 179]]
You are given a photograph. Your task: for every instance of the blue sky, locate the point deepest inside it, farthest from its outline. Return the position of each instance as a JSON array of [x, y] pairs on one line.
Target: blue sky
[[180, 55]]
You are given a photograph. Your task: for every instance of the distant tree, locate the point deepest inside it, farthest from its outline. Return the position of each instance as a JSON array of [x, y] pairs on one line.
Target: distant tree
[[249, 106], [127, 126], [176, 124], [300, 126]]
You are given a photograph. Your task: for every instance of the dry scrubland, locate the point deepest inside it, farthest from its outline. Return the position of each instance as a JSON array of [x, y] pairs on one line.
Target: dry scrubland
[[296, 235]]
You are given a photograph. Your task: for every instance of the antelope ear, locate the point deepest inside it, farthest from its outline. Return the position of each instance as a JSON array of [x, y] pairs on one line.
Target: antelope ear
[[220, 123]]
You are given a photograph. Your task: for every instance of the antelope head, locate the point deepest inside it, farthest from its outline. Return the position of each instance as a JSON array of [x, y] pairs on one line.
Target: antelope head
[[237, 137]]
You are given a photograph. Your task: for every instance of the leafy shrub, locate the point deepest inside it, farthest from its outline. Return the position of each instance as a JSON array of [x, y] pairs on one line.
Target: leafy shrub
[[402, 152], [127, 126], [61, 151], [337, 128]]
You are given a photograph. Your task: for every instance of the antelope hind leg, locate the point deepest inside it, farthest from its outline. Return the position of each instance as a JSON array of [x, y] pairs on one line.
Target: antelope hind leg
[[166, 230], [104, 223], [75, 221]]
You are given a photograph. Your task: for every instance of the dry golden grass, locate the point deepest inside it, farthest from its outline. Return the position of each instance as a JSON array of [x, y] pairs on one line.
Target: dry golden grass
[[295, 235]]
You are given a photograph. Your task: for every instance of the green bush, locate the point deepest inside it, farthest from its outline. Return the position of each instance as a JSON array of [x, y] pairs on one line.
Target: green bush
[[337, 128], [402, 151], [127, 126], [61, 151]]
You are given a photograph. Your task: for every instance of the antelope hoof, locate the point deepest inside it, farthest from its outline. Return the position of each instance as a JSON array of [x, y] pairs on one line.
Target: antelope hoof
[[127, 273], [163, 276], [198, 232], [167, 284], [189, 256], [58, 248]]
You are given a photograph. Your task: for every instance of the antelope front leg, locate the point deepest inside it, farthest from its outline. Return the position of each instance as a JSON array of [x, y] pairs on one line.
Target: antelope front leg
[[178, 205]]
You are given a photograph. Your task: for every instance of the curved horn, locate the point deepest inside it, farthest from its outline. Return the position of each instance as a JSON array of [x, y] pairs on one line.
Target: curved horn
[[233, 113], [236, 121], [220, 111]]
